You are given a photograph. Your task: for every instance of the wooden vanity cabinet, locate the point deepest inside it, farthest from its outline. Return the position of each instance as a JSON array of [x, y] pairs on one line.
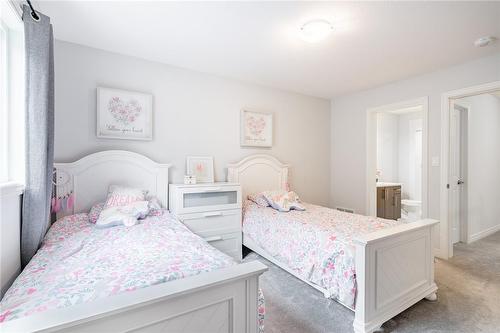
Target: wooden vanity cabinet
[[389, 202]]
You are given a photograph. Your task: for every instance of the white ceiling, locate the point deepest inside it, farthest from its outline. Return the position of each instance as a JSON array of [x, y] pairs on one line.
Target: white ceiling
[[373, 42]]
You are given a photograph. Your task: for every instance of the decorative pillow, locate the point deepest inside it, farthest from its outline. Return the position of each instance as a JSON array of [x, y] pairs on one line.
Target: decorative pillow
[[259, 199], [155, 207], [95, 211], [122, 196], [123, 215], [283, 201]]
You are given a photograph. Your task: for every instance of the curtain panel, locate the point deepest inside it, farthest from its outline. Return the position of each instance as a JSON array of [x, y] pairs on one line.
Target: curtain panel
[[39, 115]]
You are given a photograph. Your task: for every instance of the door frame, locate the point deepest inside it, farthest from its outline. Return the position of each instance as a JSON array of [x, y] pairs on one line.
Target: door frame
[[464, 218], [371, 151], [445, 229]]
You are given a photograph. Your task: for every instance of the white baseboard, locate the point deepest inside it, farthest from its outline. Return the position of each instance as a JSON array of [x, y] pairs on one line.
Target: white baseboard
[[439, 253], [484, 233]]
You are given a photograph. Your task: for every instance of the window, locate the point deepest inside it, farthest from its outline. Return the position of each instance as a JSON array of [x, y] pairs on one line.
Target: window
[[3, 104], [11, 94]]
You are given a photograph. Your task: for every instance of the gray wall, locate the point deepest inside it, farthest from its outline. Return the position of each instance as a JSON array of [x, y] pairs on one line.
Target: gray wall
[[348, 137], [194, 114]]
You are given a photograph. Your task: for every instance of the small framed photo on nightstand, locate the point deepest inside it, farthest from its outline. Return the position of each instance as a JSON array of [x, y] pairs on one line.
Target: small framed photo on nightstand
[[202, 167]]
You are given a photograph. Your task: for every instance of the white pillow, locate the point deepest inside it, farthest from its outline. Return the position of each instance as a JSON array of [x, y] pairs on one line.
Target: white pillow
[[122, 196], [283, 201], [155, 207], [123, 215]]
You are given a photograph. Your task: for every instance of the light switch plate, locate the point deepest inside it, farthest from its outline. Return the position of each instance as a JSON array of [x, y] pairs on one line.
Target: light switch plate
[[435, 161]]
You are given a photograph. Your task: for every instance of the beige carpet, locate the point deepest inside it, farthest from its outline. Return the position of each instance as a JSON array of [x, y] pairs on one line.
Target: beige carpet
[[469, 298]]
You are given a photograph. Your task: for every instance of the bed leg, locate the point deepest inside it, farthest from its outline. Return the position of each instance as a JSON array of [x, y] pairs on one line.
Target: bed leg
[[432, 297]]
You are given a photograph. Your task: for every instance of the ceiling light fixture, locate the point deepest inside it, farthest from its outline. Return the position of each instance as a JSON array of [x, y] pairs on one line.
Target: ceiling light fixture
[[315, 31], [484, 41]]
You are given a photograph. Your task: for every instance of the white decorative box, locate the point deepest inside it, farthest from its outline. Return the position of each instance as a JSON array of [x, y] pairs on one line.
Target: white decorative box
[[189, 180]]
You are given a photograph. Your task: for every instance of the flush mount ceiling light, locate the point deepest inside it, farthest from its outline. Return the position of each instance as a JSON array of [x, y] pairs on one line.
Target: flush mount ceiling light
[[315, 31], [484, 41]]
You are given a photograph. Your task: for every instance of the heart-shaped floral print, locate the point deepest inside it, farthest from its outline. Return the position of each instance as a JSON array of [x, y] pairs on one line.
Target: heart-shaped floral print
[[124, 113], [256, 125]]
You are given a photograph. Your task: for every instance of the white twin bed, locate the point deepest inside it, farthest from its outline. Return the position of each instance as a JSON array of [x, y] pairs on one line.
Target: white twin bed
[[376, 267], [156, 276], [85, 279]]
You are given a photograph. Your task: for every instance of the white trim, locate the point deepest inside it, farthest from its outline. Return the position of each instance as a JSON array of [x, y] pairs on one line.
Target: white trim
[[484, 233], [464, 222], [371, 151], [12, 93], [11, 188], [4, 103], [445, 239], [16, 7]]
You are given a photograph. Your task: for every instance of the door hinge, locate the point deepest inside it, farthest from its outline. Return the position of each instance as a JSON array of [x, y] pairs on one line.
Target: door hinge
[[448, 186]]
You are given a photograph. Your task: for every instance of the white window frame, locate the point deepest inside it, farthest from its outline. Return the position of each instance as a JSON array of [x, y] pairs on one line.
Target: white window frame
[[12, 86], [4, 118]]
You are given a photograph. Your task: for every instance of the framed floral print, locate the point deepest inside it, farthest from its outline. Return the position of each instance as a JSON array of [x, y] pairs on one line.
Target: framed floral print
[[256, 129], [123, 114], [202, 167]]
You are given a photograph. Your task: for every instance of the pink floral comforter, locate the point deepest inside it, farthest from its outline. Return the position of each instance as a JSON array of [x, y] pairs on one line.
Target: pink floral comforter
[[315, 243], [79, 263]]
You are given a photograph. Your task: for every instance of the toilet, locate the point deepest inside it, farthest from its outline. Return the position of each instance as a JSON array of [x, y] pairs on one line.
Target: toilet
[[411, 210]]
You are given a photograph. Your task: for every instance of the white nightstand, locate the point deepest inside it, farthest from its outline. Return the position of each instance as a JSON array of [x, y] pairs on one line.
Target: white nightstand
[[212, 211]]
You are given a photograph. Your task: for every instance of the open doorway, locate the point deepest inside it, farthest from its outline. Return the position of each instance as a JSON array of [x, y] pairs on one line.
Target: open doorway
[[397, 160], [471, 159], [474, 167]]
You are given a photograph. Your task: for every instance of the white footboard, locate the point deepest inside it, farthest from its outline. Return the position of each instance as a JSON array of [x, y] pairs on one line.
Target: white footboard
[[220, 301], [394, 270]]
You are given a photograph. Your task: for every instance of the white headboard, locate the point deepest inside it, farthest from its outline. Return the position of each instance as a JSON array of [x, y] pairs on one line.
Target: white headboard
[[258, 173], [90, 176]]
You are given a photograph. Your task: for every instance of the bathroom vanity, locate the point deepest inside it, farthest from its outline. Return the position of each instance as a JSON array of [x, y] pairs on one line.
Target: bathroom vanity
[[389, 200]]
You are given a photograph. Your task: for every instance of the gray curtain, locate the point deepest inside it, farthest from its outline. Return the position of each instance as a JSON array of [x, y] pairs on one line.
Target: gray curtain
[[39, 132]]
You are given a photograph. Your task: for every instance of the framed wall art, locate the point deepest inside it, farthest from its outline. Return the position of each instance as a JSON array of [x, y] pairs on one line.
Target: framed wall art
[[123, 114], [256, 129], [202, 167]]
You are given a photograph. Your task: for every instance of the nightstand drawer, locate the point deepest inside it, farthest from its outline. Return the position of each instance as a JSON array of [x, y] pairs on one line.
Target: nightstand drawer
[[186, 199], [213, 223], [212, 211], [227, 243]]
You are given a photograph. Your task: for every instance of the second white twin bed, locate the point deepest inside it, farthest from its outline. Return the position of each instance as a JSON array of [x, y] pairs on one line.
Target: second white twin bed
[[376, 267]]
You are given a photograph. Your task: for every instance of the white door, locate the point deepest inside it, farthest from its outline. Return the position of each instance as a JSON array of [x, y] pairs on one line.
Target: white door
[[455, 180]]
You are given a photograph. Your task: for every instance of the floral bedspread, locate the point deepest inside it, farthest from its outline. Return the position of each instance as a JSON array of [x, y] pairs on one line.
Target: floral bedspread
[[78, 263], [315, 243]]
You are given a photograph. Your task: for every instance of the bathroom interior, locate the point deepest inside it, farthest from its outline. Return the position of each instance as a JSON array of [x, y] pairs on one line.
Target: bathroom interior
[[399, 164]]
